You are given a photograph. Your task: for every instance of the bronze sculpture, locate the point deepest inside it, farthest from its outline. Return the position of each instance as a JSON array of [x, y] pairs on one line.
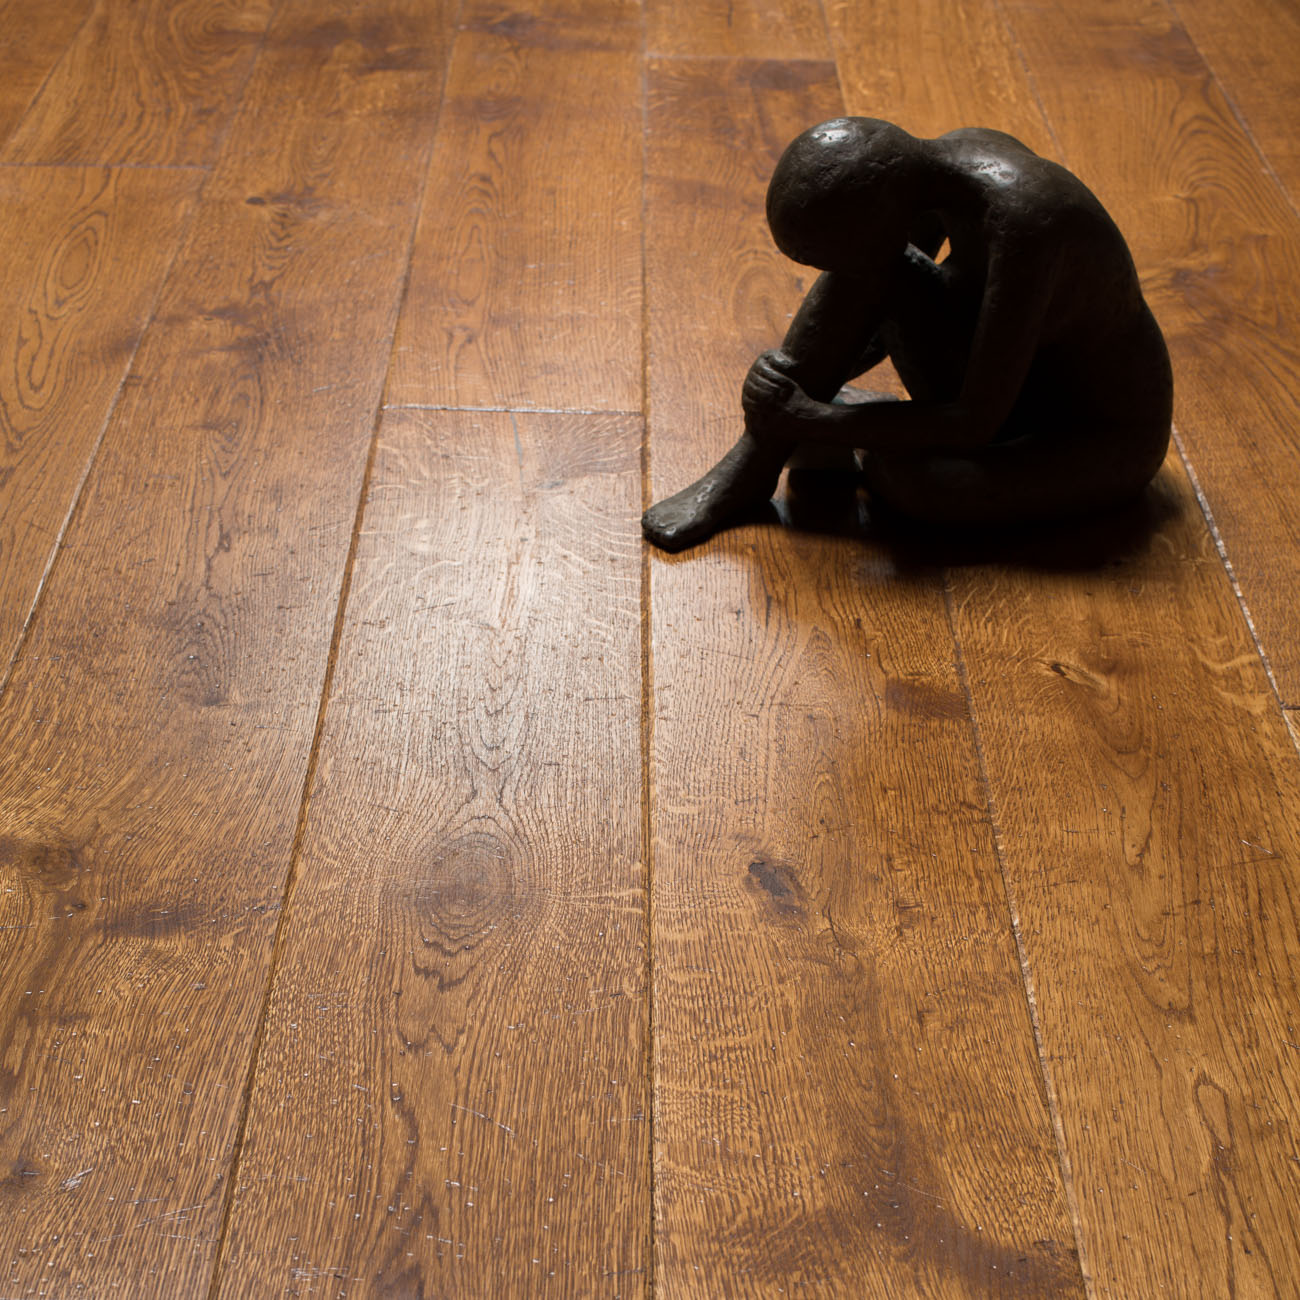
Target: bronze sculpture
[[1039, 381]]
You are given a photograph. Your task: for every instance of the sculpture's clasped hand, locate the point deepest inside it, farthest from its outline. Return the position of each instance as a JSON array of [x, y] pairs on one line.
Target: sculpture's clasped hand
[[769, 398]]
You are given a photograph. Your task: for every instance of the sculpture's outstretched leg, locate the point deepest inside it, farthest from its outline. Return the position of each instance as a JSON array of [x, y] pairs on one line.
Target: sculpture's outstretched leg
[[744, 477], [830, 340]]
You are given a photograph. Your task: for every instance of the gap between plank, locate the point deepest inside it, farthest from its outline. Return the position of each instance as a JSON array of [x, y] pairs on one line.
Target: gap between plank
[[336, 636], [1026, 976], [647, 704], [181, 239], [56, 550], [1240, 117], [1210, 522], [503, 410]]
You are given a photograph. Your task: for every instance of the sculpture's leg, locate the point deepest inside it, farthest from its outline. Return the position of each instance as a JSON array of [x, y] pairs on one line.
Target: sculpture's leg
[[825, 346], [1059, 472]]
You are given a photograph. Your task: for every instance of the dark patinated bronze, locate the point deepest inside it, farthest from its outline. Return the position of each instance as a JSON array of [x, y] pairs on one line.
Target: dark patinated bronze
[[1040, 384]]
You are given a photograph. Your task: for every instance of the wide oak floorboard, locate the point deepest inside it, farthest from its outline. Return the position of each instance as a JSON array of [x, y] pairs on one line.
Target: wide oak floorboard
[[36, 34], [847, 1089], [525, 286], [1253, 49], [452, 1098], [1219, 247], [85, 254], [1135, 753], [144, 81], [161, 713]]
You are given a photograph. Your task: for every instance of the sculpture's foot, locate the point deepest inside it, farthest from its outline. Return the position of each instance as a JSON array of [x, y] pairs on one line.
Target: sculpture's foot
[[744, 478]]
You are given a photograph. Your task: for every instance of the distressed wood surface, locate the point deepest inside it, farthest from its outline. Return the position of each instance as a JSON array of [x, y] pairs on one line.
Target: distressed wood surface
[[758, 29], [1253, 49], [1219, 247], [236, 951], [1146, 789], [85, 254], [162, 710], [847, 1094], [144, 81], [1135, 754], [886, 55], [36, 33], [452, 1096], [525, 281]]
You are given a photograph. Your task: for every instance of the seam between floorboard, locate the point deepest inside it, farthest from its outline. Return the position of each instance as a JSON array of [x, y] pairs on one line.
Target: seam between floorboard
[[1242, 121], [1212, 525], [78, 492], [508, 410], [336, 636], [83, 165], [1026, 976], [45, 80], [647, 706]]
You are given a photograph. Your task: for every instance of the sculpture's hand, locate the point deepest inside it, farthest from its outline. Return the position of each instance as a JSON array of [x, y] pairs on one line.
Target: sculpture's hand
[[776, 408]]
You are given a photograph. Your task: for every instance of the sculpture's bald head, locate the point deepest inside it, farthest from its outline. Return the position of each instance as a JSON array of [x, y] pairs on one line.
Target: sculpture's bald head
[[839, 184]]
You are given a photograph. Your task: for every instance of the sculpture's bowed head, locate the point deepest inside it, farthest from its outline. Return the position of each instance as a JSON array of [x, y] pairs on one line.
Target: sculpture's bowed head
[[842, 192]]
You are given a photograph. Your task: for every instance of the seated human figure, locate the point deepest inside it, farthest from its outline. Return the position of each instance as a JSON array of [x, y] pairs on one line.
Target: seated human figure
[[1040, 384]]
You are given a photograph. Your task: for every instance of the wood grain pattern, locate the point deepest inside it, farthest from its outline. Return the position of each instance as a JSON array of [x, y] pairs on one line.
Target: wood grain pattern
[[887, 55], [1253, 49], [1219, 247], [1146, 791], [1135, 753], [36, 33], [759, 29], [144, 81], [525, 285], [162, 711], [85, 254], [847, 1091], [452, 1097]]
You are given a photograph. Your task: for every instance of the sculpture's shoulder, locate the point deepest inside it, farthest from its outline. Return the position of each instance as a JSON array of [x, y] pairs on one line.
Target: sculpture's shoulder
[[1025, 191]]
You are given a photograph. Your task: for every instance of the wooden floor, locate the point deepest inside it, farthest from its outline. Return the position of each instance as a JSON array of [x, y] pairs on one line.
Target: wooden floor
[[412, 887]]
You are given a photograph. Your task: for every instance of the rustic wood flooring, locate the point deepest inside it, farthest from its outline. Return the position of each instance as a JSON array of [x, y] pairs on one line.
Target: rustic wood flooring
[[413, 887]]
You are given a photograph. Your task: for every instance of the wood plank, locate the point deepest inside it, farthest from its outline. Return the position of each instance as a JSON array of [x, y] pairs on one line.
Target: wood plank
[[36, 35], [1220, 252], [847, 1091], [452, 1098], [1133, 744], [85, 255], [1253, 49], [525, 286], [144, 81], [758, 29], [886, 54], [1147, 798], [161, 714]]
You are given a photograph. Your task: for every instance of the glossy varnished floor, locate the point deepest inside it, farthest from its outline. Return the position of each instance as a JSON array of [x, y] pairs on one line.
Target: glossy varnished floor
[[413, 888]]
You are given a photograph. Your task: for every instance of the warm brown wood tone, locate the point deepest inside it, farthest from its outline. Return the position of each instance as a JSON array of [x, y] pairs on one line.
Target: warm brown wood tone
[[894, 59], [85, 251], [526, 280], [1253, 48], [1219, 245], [760, 29], [333, 759], [846, 1078], [162, 710], [1146, 791], [1136, 753], [452, 1096], [35, 34], [144, 81]]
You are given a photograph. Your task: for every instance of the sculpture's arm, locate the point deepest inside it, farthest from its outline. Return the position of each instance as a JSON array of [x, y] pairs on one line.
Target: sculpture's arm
[[1007, 337]]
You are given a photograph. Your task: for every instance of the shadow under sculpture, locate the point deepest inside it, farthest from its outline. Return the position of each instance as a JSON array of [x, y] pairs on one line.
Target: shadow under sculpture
[[1040, 384]]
